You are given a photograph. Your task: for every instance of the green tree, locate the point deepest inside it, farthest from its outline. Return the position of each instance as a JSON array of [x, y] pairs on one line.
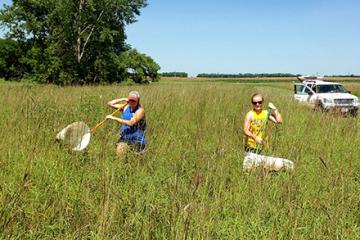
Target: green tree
[[72, 41], [139, 67], [11, 65]]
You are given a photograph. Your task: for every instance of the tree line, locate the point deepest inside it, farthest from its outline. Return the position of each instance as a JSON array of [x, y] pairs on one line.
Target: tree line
[[174, 74], [72, 42], [344, 75], [245, 75]]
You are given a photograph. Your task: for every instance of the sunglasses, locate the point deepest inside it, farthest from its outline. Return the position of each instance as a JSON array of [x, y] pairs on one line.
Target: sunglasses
[[259, 102]]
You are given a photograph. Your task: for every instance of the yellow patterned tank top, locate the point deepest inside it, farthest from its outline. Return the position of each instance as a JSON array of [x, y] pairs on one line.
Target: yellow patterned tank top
[[257, 124]]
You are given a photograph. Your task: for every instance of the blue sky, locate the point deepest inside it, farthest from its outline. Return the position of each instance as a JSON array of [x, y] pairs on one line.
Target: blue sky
[[236, 36], [256, 36]]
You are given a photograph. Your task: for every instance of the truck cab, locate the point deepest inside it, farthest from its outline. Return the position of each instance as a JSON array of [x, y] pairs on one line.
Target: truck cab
[[325, 95]]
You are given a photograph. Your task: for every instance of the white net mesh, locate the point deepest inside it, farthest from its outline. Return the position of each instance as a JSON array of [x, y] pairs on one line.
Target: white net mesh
[[253, 160], [75, 135]]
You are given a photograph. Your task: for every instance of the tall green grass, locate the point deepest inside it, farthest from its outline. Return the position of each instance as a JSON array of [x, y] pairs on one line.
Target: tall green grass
[[189, 183]]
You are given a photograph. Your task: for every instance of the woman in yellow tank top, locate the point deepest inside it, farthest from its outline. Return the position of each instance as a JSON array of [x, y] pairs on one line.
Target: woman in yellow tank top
[[256, 120]]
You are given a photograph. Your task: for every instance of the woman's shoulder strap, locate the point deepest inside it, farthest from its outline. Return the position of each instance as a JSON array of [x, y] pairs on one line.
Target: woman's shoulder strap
[[126, 108]]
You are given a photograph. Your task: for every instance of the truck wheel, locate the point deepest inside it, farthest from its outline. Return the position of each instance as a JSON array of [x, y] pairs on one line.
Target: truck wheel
[[319, 107], [354, 113]]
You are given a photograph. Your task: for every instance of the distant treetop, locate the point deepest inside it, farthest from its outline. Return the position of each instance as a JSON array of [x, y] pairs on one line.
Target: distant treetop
[[174, 74]]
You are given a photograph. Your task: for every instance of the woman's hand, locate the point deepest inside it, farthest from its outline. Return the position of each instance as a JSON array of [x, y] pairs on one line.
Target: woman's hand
[[259, 140], [110, 117], [272, 106]]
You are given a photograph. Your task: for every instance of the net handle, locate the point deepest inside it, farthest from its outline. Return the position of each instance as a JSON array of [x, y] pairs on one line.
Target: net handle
[[263, 129], [104, 120]]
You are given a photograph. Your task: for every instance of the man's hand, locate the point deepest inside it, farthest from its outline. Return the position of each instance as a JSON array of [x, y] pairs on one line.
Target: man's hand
[[272, 106]]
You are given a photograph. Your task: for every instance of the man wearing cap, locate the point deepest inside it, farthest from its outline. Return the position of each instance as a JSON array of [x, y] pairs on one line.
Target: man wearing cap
[[132, 131]]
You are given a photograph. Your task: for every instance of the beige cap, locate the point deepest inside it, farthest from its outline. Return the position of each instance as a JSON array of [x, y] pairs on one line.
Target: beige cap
[[134, 95]]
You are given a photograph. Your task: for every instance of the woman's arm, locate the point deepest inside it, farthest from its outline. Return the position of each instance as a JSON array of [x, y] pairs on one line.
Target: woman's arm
[[140, 114], [118, 103], [275, 115]]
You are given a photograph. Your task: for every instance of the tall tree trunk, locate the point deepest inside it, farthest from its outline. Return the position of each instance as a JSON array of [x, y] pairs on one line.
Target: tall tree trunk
[[78, 40], [80, 44]]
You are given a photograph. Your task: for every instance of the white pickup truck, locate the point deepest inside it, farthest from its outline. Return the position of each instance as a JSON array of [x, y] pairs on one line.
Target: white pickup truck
[[325, 95]]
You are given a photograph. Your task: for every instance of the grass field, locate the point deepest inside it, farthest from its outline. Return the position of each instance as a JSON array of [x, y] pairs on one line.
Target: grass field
[[189, 183]]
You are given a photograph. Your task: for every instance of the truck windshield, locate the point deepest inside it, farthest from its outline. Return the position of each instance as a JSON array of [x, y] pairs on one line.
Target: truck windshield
[[330, 88]]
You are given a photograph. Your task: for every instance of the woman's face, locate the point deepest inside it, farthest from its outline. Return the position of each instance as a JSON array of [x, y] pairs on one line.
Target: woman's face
[[257, 103], [133, 103]]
